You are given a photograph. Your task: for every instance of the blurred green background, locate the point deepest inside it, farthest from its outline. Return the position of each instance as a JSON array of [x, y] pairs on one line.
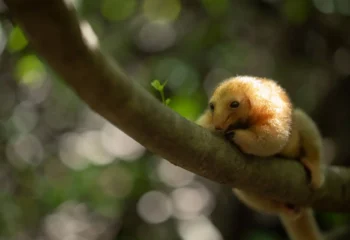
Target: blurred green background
[[66, 173]]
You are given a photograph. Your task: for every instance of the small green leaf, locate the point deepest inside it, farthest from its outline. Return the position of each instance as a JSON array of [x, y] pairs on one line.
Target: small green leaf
[[156, 84], [160, 88]]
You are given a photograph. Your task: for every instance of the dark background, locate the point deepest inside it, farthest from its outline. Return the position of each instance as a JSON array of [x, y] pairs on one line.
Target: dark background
[[66, 173]]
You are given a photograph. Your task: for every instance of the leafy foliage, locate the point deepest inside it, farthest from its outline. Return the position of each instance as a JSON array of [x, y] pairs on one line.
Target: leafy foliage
[[160, 88]]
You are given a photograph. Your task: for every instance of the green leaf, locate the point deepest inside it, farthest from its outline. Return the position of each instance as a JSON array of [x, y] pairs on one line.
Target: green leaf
[[156, 84], [160, 88]]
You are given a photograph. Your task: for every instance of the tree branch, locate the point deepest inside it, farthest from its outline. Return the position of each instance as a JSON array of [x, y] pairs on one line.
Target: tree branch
[[54, 32]]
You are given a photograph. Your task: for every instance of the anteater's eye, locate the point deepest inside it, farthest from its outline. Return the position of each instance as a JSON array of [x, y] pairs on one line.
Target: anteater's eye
[[211, 106], [234, 104]]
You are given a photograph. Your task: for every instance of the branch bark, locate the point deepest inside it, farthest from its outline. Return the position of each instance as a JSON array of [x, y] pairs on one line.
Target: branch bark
[[53, 30]]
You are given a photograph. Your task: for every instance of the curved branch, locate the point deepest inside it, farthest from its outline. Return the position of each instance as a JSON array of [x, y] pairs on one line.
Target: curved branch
[[53, 30]]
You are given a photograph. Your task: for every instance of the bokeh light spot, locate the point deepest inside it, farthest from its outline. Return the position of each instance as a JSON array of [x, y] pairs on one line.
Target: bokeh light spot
[[17, 41], [25, 150], [156, 36], [68, 153], [120, 145], [181, 77], [116, 182], [30, 70], [216, 7], [186, 107], [165, 10], [324, 6], [90, 147], [172, 175], [191, 201], [154, 207], [117, 10], [296, 11], [24, 117], [73, 221], [199, 228]]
